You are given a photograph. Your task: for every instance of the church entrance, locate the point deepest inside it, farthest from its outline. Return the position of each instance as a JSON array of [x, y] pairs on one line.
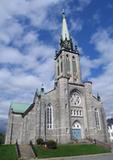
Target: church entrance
[[76, 131]]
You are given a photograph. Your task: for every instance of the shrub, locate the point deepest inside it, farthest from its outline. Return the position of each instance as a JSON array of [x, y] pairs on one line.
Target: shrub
[[40, 141], [51, 144]]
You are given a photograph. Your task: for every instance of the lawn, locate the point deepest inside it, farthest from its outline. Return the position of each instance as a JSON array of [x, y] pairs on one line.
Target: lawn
[[8, 152], [70, 150]]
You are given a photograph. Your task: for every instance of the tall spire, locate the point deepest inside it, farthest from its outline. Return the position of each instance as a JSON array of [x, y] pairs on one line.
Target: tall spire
[[66, 41], [65, 32]]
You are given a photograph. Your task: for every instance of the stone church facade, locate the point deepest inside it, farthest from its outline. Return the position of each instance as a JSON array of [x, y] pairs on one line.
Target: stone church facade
[[68, 112]]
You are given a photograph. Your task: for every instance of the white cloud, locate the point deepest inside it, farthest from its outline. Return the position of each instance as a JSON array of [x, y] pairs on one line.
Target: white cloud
[[103, 41], [4, 108], [82, 4], [76, 25], [87, 65], [103, 83], [33, 9], [10, 55], [23, 58], [10, 30]]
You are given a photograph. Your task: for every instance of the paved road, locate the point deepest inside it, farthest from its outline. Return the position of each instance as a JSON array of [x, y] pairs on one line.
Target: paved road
[[90, 157], [98, 157]]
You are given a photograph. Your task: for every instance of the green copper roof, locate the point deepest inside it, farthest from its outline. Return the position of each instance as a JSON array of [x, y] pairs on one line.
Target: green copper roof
[[65, 32], [19, 107]]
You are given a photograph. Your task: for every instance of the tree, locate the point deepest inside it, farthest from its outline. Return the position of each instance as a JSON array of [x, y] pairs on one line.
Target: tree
[[110, 121], [2, 138]]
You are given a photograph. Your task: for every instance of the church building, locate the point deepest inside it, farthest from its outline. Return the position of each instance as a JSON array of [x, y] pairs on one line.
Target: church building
[[68, 112]]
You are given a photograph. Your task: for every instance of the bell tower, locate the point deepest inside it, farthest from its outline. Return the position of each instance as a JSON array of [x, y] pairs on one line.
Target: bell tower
[[67, 58]]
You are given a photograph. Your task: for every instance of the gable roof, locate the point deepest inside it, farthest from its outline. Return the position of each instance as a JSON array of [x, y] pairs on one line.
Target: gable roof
[[19, 107], [28, 109]]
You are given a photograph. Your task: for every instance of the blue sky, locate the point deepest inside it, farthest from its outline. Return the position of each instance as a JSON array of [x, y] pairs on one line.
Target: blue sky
[[29, 35]]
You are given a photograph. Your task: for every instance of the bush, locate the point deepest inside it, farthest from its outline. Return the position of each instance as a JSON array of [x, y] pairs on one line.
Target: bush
[[51, 144], [40, 141]]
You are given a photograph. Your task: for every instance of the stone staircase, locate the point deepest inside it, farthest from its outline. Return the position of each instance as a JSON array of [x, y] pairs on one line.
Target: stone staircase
[[112, 147], [26, 152], [82, 141]]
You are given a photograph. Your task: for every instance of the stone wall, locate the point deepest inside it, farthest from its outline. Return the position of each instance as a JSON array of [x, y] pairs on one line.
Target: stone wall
[[14, 129]]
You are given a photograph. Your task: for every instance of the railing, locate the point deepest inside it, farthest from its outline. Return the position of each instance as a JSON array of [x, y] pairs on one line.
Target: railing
[[106, 145], [18, 150], [32, 146], [95, 141]]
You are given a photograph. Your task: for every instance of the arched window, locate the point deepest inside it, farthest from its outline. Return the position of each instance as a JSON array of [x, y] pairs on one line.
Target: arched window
[[74, 67], [97, 120], [74, 112], [58, 71], [49, 116], [71, 112], [67, 64], [61, 67], [80, 112], [76, 125]]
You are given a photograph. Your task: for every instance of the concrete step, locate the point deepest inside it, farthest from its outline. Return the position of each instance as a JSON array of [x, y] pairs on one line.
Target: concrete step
[[26, 152], [84, 141]]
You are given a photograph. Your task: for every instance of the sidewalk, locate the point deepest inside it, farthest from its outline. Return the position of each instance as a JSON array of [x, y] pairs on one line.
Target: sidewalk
[[84, 157]]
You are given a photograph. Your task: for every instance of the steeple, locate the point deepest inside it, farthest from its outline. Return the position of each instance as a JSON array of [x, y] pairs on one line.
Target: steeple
[[67, 57], [65, 32], [65, 41]]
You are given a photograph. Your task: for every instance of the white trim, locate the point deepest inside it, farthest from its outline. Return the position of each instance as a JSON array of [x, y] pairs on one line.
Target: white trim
[[110, 131], [49, 120], [76, 125], [97, 119], [75, 111]]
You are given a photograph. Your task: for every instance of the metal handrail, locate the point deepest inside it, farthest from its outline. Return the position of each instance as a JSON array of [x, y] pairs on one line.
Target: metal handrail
[[32, 146], [18, 149]]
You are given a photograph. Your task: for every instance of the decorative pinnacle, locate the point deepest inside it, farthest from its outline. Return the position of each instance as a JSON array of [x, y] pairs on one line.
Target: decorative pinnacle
[[98, 97], [42, 87]]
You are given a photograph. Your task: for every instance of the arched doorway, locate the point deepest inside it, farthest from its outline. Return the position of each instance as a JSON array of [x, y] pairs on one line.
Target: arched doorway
[[76, 130]]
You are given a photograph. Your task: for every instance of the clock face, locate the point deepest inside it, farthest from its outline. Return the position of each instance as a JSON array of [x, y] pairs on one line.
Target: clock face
[[75, 99]]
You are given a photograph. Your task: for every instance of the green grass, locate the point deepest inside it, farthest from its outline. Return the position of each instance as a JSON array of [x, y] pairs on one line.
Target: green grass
[[70, 150], [8, 152]]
